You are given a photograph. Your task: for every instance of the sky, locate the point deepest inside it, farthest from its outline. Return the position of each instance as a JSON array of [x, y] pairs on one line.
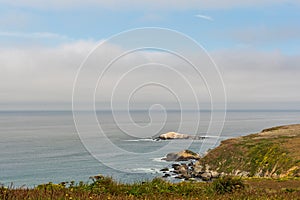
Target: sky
[[254, 44]]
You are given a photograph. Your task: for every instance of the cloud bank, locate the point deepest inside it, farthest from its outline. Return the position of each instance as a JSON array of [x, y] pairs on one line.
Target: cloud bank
[[46, 74]]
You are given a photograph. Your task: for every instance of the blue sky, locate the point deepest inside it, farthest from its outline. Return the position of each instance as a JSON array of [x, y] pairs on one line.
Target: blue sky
[[233, 32], [269, 26]]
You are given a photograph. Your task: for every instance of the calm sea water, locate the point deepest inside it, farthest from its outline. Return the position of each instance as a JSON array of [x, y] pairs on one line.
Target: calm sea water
[[41, 146]]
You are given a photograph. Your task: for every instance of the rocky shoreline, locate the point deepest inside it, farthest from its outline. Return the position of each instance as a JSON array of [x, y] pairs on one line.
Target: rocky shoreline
[[272, 153], [186, 167], [190, 171]]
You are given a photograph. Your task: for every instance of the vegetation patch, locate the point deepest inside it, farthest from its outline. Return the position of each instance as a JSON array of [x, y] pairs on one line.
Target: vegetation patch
[[106, 188], [261, 154], [227, 185]]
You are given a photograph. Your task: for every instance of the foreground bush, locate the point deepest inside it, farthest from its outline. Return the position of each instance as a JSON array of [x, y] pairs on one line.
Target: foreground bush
[[102, 187], [227, 185]]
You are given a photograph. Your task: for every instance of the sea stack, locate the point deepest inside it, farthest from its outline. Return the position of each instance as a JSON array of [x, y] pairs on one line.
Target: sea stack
[[173, 135]]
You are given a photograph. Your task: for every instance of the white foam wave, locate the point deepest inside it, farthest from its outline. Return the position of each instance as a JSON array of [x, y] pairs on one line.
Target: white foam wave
[[158, 159], [146, 170], [141, 140]]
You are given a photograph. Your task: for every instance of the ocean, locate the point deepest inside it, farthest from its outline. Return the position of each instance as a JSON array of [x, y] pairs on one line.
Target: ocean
[[48, 146]]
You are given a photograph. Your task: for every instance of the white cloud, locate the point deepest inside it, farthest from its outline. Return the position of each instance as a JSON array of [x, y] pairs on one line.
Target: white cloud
[[46, 74], [257, 76], [204, 17], [145, 4]]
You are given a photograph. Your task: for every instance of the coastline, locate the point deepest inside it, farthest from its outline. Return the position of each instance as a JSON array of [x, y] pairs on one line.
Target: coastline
[[271, 153], [226, 185]]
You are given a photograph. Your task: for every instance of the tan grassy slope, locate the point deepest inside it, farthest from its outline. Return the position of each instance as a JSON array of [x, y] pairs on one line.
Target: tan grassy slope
[[274, 152]]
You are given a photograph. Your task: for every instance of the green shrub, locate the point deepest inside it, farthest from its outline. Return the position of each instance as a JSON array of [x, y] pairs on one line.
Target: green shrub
[[227, 184]]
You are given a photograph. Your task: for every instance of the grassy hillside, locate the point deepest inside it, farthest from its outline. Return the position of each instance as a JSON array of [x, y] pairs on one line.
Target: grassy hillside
[[274, 152]]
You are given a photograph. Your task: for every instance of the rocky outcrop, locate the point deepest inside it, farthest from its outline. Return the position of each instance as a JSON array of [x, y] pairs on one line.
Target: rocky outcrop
[[191, 171], [174, 135], [188, 170], [272, 153], [184, 155]]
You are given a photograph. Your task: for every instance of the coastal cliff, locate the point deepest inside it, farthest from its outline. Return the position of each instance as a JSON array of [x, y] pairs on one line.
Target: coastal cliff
[[274, 152]]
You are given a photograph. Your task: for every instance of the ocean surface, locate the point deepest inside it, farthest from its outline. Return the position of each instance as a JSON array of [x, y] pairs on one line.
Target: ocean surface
[[49, 146]]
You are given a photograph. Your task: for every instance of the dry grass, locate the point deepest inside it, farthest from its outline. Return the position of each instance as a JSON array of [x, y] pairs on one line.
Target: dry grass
[[106, 188]]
